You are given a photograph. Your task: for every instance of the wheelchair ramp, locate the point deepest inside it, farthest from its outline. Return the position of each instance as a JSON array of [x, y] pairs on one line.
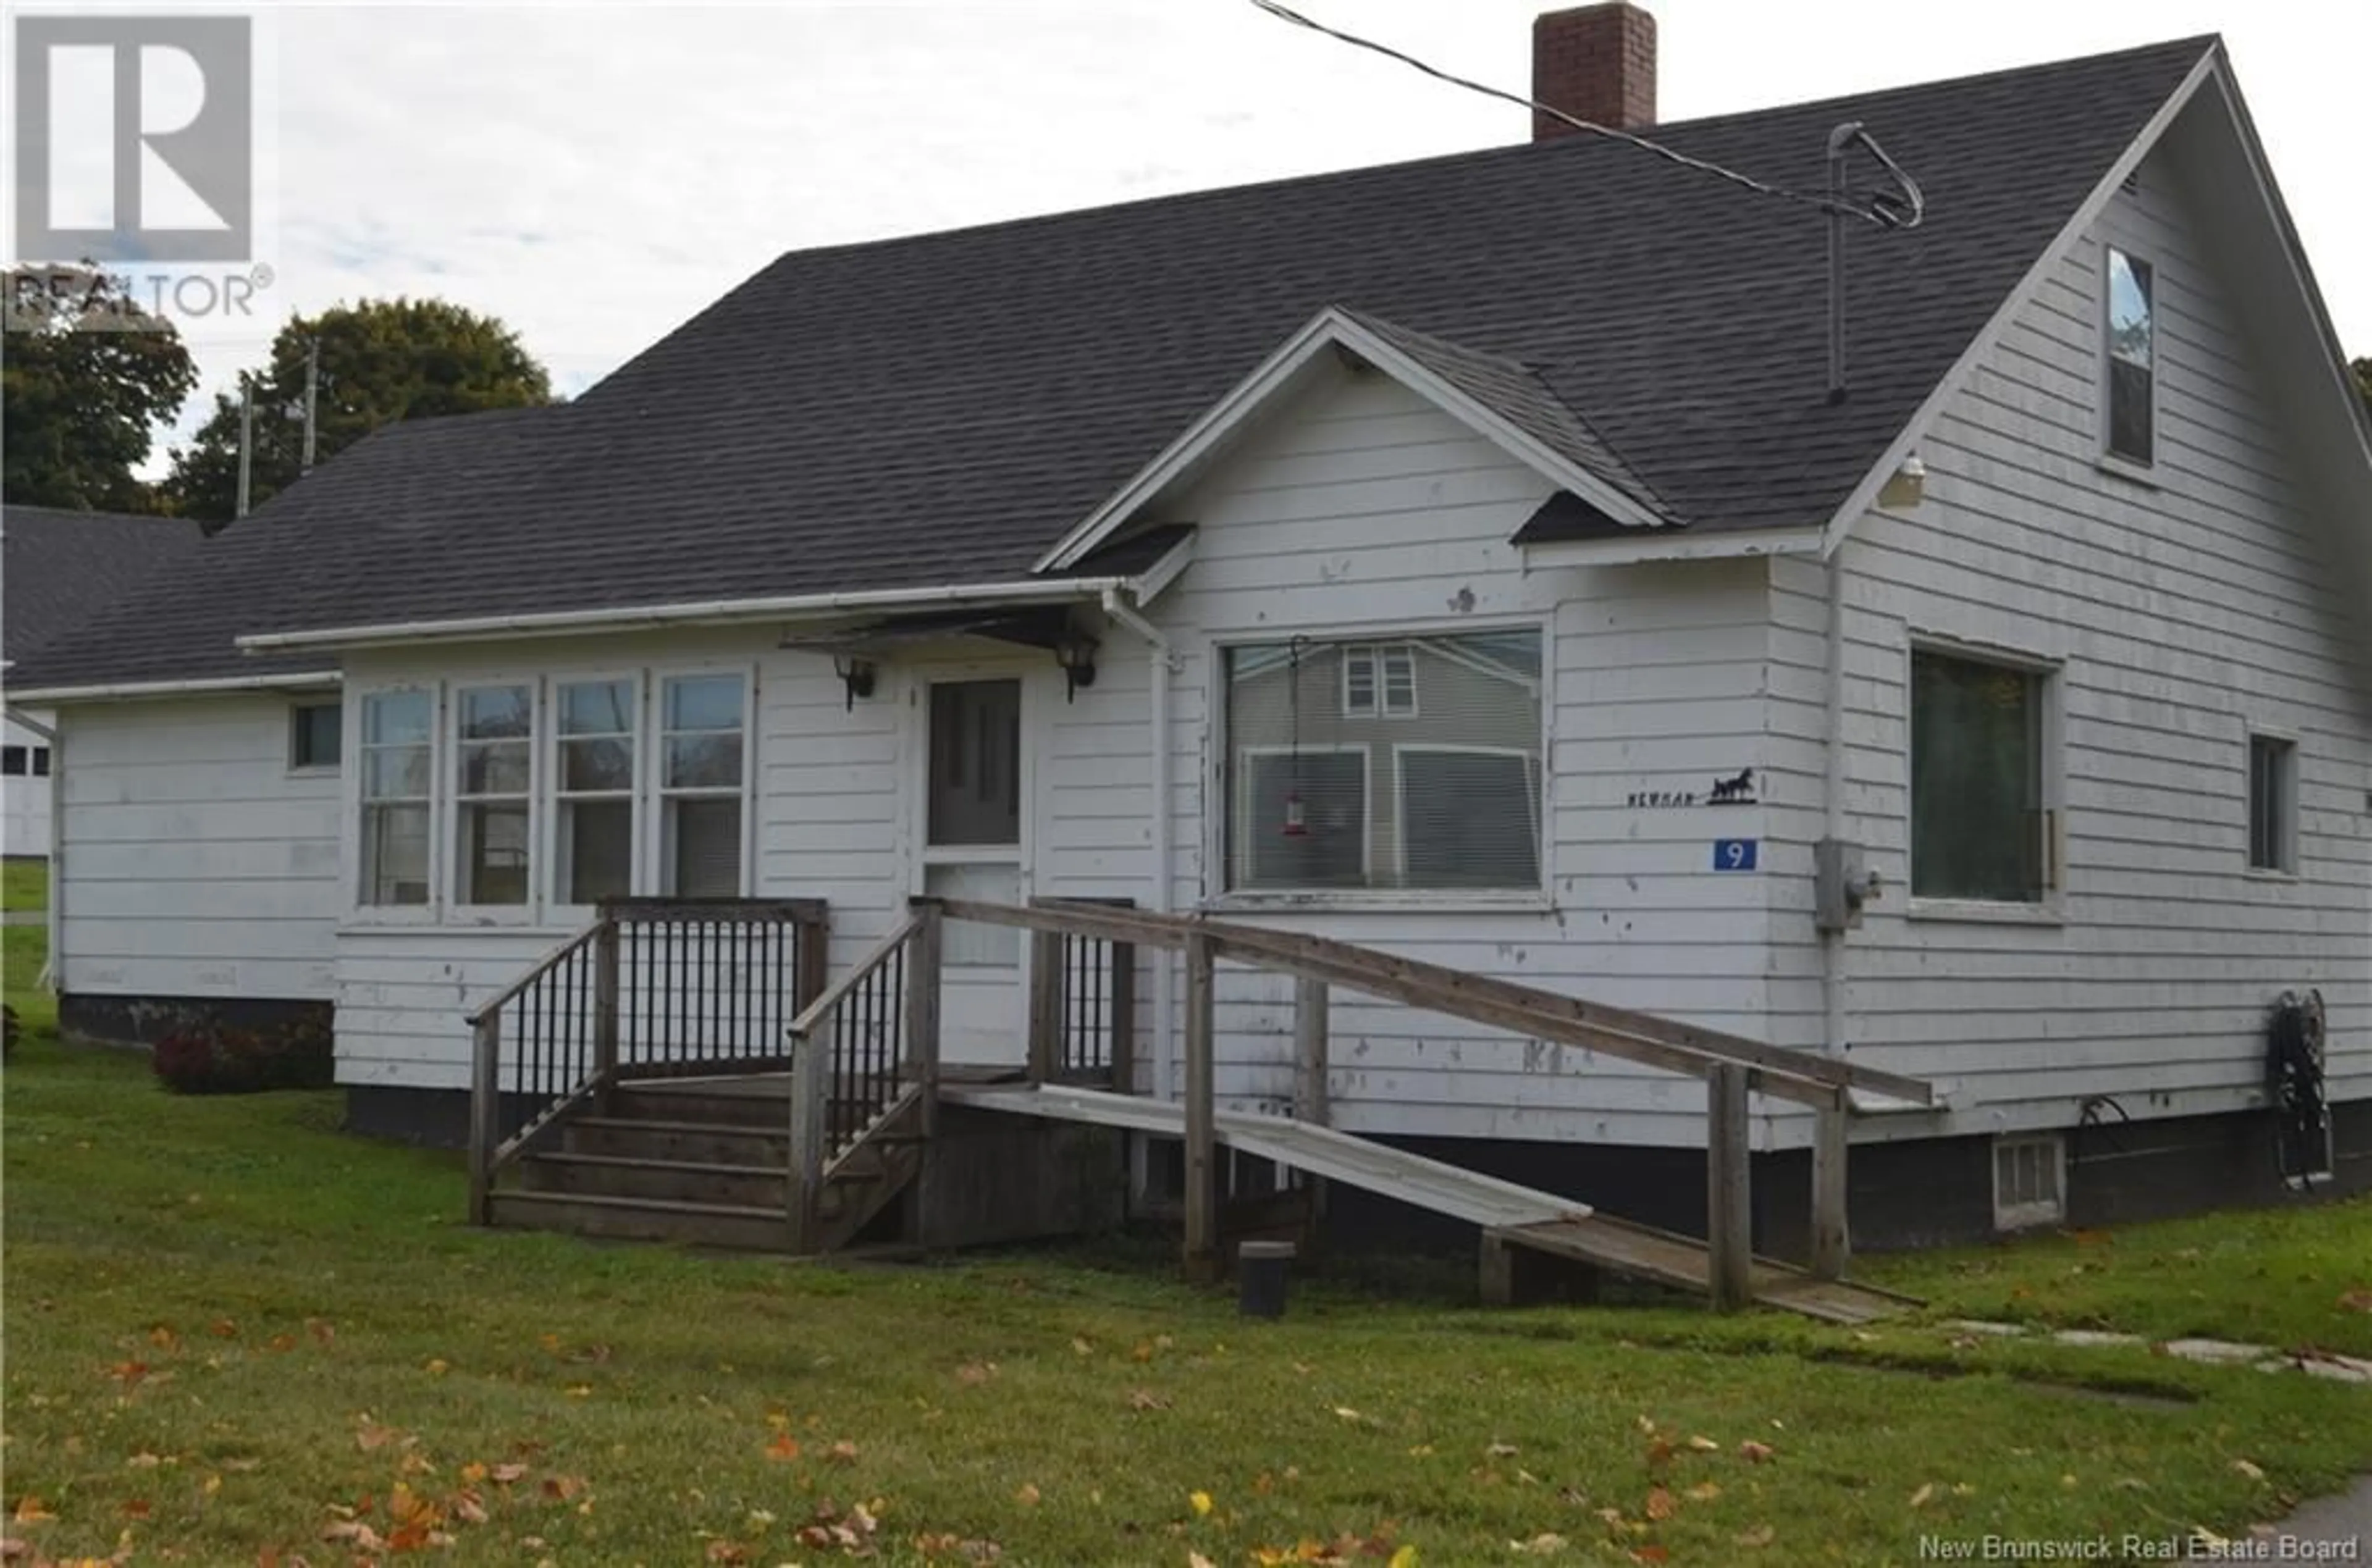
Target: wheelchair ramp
[[1521, 1216]]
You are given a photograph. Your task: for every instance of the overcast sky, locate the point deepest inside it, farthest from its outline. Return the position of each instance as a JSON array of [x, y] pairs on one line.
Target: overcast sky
[[594, 174]]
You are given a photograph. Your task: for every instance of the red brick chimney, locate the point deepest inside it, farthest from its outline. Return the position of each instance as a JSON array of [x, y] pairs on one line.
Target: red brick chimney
[[1597, 63]]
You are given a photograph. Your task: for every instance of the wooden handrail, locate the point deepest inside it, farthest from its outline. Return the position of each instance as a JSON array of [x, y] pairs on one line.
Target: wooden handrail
[[1640, 1037], [730, 912], [550, 961], [878, 954]]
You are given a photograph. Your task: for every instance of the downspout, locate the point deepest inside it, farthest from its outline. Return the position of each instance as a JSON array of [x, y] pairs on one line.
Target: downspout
[[1165, 1038], [1833, 975]]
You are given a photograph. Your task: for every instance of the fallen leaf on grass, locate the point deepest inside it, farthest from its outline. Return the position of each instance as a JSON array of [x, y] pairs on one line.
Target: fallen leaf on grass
[[2358, 1300], [507, 1473], [1760, 1536], [223, 1329], [783, 1448], [1661, 1503], [1200, 1503], [1548, 1543], [320, 1331], [1196, 1559], [143, 1460], [840, 1453], [1146, 1400], [1706, 1491], [129, 1372], [1926, 1490], [2246, 1469], [1501, 1450], [355, 1533], [727, 1551], [1404, 1558], [971, 1374], [136, 1508], [1704, 1445], [1079, 1346], [1347, 1413], [1754, 1453], [1027, 1495], [1650, 1553], [163, 1337], [30, 1511], [12, 1549]]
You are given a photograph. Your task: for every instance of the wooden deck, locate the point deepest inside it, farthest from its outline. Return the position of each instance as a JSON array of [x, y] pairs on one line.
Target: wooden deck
[[1517, 1215]]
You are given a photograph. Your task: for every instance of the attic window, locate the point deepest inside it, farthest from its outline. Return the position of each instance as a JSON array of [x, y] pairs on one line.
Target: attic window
[[2131, 394]]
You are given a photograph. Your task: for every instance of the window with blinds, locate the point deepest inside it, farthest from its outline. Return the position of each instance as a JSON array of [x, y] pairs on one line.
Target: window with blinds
[[1413, 764]]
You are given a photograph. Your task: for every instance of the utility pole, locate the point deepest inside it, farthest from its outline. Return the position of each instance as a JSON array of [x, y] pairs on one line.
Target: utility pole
[[312, 400], [246, 440]]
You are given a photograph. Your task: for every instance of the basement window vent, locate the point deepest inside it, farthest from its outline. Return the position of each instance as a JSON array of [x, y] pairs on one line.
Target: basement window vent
[[2029, 1181]]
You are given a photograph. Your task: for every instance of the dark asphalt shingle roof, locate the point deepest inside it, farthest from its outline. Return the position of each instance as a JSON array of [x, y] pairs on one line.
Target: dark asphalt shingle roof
[[1518, 395], [60, 569], [181, 625], [942, 409]]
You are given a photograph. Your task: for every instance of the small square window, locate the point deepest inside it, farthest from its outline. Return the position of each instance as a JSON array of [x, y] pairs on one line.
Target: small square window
[[316, 734], [12, 761], [41, 761], [2273, 803], [2132, 395], [2030, 1177]]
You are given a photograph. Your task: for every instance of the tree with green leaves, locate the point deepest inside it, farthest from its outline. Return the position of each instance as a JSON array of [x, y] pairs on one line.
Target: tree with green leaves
[[380, 361], [88, 377]]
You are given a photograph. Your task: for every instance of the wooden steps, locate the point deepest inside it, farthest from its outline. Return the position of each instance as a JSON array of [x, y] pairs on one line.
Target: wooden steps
[[741, 1228], [704, 1162]]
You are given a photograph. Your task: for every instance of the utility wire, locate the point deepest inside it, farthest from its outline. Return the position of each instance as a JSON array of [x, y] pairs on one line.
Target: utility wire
[[1884, 211]]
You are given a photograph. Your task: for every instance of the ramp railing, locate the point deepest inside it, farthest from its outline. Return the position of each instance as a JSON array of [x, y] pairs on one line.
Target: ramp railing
[[1733, 1067]]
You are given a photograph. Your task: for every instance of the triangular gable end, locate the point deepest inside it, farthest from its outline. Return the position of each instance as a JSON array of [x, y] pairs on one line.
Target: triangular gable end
[[2305, 368], [1227, 421]]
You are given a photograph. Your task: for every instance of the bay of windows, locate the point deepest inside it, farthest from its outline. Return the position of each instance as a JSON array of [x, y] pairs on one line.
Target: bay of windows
[[559, 793]]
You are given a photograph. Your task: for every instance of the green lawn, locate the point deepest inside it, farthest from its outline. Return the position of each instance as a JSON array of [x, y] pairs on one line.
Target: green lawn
[[24, 885], [228, 1325]]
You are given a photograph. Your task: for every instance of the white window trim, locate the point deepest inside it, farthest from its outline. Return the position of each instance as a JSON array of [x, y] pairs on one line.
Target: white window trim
[[2107, 457], [2050, 671], [652, 865], [316, 769], [358, 912], [1217, 897], [547, 884], [2293, 790], [1535, 777], [1378, 657], [528, 910], [2029, 1215]]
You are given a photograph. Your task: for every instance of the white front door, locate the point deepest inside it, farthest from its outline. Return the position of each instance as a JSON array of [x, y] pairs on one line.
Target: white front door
[[975, 846]]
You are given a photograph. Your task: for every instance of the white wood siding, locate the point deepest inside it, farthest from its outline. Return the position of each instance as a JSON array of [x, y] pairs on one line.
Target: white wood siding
[[2188, 611], [1362, 508], [194, 864]]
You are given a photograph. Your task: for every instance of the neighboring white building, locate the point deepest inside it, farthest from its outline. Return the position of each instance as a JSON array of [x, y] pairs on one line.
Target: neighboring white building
[[1534, 612], [25, 785]]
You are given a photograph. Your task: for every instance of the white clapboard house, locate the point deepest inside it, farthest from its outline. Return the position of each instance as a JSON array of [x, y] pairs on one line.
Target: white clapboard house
[[1476, 560]]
